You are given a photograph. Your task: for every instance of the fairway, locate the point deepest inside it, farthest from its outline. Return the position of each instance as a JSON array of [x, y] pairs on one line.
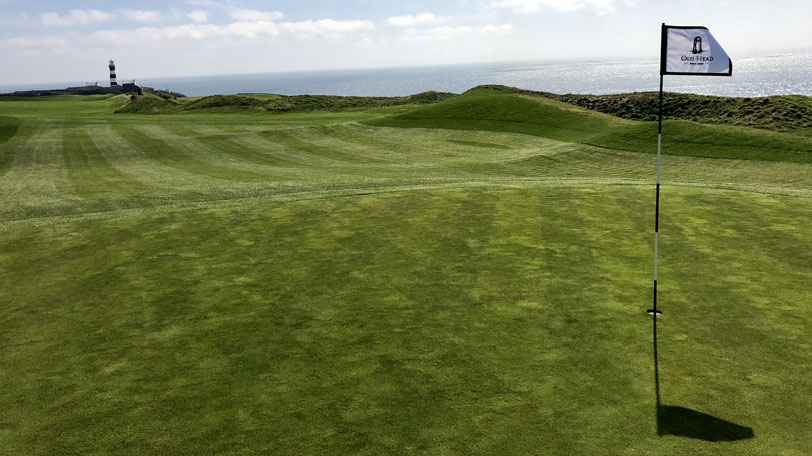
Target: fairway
[[463, 277]]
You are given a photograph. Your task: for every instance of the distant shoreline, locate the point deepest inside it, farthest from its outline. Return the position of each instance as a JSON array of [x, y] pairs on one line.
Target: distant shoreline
[[776, 73]]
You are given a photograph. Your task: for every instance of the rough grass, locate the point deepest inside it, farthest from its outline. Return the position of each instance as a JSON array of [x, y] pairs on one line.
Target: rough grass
[[150, 104], [777, 113], [301, 283]]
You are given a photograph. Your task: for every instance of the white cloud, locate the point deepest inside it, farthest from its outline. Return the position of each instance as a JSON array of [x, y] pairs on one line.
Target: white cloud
[[495, 28], [327, 27], [15, 19], [178, 15], [198, 16], [410, 20], [142, 15], [46, 41], [241, 29], [255, 15], [204, 3], [189, 32], [533, 6], [446, 32], [75, 17]]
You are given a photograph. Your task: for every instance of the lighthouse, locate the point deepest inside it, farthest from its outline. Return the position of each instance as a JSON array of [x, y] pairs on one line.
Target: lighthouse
[[698, 45], [112, 67]]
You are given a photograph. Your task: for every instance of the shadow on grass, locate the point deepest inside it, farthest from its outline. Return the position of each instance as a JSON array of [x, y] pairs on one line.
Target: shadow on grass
[[685, 422]]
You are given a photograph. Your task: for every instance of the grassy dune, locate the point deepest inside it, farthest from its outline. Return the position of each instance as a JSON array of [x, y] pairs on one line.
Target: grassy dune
[[499, 109], [466, 277]]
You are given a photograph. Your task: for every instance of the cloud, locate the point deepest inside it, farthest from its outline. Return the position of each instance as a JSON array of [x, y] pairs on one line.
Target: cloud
[[198, 16], [205, 3], [75, 17], [178, 15], [189, 32], [533, 6], [327, 27], [46, 41], [494, 28], [410, 20], [255, 15], [446, 32], [241, 29], [142, 15], [15, 19]]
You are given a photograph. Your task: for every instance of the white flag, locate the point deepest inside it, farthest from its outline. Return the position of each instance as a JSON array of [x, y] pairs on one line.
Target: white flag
[[693, 51]]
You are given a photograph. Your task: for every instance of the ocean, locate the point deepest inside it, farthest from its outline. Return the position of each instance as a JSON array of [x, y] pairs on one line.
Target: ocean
[[774, 73]]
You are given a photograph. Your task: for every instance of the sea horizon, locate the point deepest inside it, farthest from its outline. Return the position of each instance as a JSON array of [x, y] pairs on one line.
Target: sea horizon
[[776, 72]]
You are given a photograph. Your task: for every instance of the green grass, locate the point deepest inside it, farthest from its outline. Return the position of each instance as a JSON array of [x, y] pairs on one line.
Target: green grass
[[776, 113], [8, 128], [496, 109], [329, 283]]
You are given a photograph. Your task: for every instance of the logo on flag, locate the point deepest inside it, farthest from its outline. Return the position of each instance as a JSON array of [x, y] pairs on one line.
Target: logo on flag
[[698, 45], [692, 51]]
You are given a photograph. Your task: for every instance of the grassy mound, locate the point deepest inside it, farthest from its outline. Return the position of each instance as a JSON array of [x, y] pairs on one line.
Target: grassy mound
[[148, 104], [782, 113], [151, 104], [495, 108], [778, 113]]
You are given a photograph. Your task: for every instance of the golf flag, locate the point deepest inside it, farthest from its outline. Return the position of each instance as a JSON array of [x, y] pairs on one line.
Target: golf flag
[[692, 51]]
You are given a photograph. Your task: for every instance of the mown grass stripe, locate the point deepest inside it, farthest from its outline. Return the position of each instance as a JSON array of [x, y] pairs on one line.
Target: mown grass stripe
[[8, 146], [36, 183], [260, 142], [162, 152], [91, 175], [173, 134], [229, 143], [127, 158], [307, 139]]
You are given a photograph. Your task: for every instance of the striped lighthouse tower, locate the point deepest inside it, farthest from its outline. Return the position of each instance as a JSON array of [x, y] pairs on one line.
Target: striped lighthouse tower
[[112, 67]]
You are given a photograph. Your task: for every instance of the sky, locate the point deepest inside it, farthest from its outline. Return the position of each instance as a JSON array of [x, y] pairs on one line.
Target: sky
[[50, 41]]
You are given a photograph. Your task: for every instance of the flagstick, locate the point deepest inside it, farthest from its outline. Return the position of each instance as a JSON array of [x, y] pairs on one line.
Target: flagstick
[[654, 311], [657, 205], [675, 42]]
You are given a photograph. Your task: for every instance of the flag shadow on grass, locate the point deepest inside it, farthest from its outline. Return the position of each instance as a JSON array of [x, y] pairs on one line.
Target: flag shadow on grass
[[685, 422]]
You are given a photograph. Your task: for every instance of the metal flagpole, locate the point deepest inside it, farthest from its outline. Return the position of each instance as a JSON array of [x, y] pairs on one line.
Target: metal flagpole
[[654, 312]]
